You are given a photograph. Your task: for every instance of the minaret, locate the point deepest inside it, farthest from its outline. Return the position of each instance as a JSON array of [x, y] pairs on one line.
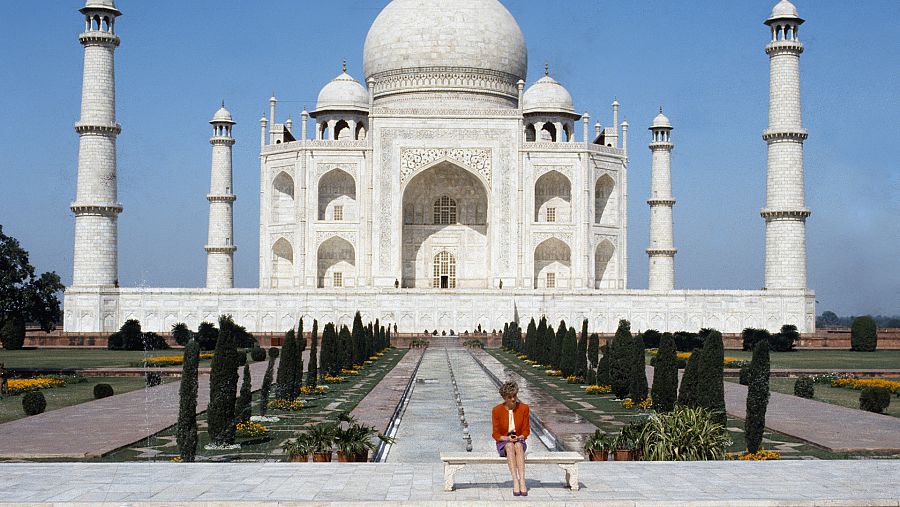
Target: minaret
[[220, 244], [662, 249], [785, 213], [96, 205]]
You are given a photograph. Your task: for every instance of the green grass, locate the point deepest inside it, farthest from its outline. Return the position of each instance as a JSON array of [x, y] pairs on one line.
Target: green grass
[[342, 397], [70, 394], [571, 395], [834, 395], [77, 358], [828, 359]]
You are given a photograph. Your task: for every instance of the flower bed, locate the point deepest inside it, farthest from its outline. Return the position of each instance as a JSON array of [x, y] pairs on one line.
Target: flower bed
[[333, 379], [596, 389], [729, 362], [250, 429], [286, 405], [760, 455], [645, 404], [163, 361], [861, 383], [553, 373], [18, 386], [313, 391], [353, 371]]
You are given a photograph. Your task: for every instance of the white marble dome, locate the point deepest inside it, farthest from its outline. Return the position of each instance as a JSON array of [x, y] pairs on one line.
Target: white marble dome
[[547, 96], [784, 9], [416, 34], [109, 5], [661, 121], [222, 116], [343, 93]]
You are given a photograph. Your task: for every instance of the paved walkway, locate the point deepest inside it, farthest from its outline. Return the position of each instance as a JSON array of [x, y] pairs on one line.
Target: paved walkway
[[836, 428], [98, 427], [378, 406], [705, 483]]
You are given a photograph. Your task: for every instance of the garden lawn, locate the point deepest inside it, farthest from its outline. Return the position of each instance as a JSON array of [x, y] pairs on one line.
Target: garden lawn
[[610, 415], [834, 395], [71, 394], [828, 359], [78, 358], [341, 397]]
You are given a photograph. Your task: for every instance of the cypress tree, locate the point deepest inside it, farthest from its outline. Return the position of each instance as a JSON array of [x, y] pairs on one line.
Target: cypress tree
[[665, 375], [593, 356], [266, 387], [687, 393], [604, 365], [757, 397], [242, 407], [312, 372], [711, 377], [284, 379], [186, 432], [517, 339], [298, 366], [581, 352], [356, 343], [567, 364], [387, 338], [539, 338], [557, 353], [504, 340], [345, 348], [638, 382], [621, 359], [223, 385], [863, 334], [327, 355], [530, 335]]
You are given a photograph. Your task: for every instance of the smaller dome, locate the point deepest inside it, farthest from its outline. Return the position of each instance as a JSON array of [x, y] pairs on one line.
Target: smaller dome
[[784, 10], [547, 96], [222, 116], [343, 93], [661, 121], [108, 5]]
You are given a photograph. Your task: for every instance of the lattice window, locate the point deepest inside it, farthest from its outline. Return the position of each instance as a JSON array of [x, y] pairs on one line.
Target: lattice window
[[338, 213], [551, 214], [551, 280], [444, 271], [445, 211], [338, 279]]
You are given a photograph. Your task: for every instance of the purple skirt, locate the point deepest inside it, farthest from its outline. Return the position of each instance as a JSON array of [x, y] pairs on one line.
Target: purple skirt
[[501, 446]]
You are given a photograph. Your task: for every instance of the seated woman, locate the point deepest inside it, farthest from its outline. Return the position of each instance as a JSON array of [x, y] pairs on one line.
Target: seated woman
[[511, 426]]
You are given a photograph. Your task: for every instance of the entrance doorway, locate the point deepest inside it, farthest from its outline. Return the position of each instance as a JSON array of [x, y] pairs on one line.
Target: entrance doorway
[[444, 271]]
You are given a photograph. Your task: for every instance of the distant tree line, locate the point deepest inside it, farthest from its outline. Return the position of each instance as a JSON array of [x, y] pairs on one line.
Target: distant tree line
[[831, 319]]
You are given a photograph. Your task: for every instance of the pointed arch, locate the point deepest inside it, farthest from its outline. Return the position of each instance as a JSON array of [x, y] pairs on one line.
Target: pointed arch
[[604, 265], [336, 263], [337, 191], [282, 198], [282, 264], [603, 197], [552, 264], [553, 198]]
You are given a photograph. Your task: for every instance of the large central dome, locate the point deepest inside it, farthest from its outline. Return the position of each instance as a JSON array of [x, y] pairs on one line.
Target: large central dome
[[446, 44]]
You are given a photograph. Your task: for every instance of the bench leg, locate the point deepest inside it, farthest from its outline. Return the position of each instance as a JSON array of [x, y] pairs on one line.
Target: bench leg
[[571, 476], [449, 474]]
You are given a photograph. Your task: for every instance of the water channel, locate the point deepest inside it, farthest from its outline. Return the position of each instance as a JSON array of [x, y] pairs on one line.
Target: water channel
[[431, 422]]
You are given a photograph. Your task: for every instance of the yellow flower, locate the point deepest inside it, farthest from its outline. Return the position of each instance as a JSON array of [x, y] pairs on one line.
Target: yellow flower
[[334, 379], [33, 384], [250, 429], [554, 373], [597, 389], [861, 383], [286, 405], [760, 455]]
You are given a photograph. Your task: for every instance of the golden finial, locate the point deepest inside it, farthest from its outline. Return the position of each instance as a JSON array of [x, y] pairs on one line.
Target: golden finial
[[546, 69], [344, 66]]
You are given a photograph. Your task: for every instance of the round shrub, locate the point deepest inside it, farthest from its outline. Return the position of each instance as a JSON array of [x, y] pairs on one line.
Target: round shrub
[[273, 352], [103, 391], [258, 354], [34, 403], [153, 379], [804, 387], [874, 399], [744, 378]]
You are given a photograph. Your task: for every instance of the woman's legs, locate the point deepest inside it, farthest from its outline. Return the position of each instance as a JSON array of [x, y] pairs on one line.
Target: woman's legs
[[520, 465], [512, 462]]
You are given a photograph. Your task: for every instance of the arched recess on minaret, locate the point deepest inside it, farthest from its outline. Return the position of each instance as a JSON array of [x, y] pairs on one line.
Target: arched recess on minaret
[[337, 196]]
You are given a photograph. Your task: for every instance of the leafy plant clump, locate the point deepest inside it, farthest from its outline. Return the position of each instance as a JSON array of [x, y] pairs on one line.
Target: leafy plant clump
[[258, 354], [34, 403], [874, 399], [102, 391], [685, 434], [804, 387], [863, 334]]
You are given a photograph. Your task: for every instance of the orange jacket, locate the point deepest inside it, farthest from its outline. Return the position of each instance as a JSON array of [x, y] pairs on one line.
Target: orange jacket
[[500, 421]]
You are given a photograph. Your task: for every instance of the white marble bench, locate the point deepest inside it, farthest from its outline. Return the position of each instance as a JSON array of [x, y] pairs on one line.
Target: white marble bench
[[568, 461]]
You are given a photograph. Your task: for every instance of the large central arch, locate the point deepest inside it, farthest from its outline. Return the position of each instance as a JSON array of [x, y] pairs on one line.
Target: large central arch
[[445, 209]]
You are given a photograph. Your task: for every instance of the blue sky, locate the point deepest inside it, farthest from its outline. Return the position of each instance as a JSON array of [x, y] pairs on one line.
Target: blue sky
[[702, 60]]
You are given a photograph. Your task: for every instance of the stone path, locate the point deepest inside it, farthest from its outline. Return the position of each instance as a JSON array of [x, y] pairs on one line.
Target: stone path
[[703, 483], [378, 406], [98, 427]]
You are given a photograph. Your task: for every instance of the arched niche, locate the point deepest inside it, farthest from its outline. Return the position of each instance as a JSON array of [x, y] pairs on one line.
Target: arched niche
[[552, 264], [282, 264], [553, 198], [603, 200], [282, 198], [445, 207], [604, 266], [336, 264], [337, 196]]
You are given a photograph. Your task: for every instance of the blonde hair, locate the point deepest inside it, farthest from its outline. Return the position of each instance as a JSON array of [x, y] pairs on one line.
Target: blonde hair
[[509, 388]]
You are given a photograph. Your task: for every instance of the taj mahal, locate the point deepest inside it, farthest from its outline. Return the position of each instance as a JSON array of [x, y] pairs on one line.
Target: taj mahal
[[440, 190]]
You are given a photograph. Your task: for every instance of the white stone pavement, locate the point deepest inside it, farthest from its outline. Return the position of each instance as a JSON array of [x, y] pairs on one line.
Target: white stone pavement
[[719, 483]]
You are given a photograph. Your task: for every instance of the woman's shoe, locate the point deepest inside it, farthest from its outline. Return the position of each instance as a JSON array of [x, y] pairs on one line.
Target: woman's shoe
[[524, 493], [516, 493]]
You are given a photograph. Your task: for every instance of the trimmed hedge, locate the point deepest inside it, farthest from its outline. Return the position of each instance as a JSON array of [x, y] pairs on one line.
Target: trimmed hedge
[[258, 354], [804, 387], [874, 399], [34, 403], [103, 391], [863, 334]]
